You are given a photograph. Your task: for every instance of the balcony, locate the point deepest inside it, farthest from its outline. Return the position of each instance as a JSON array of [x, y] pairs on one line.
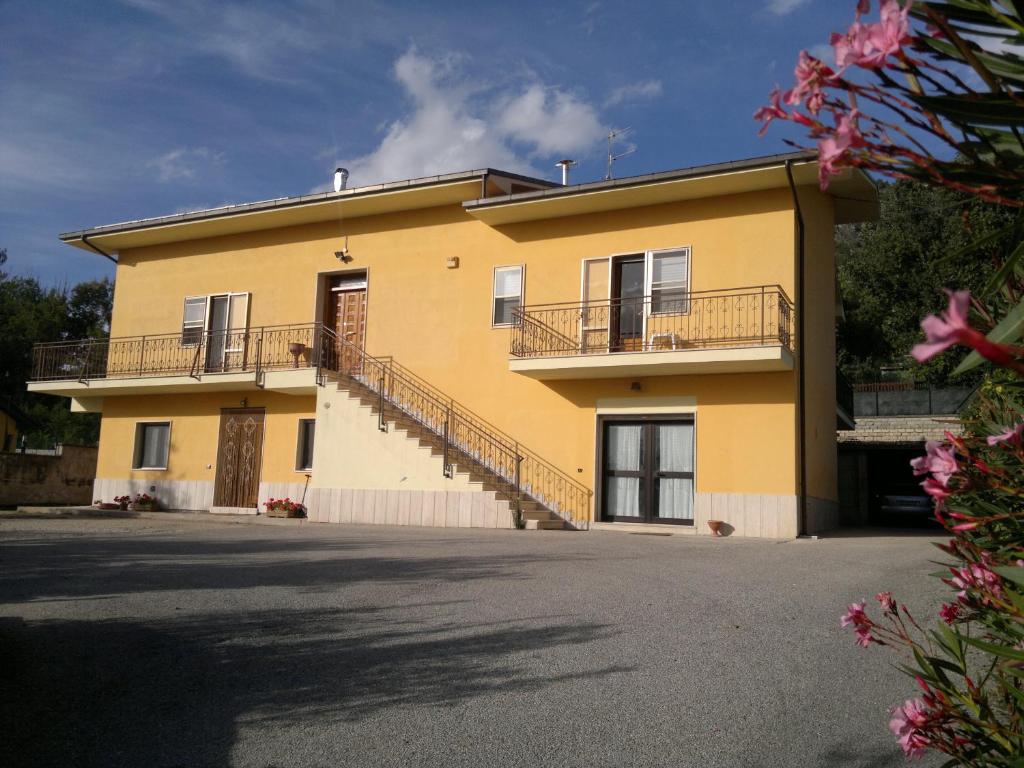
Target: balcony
[[727, 331], [284, 358]]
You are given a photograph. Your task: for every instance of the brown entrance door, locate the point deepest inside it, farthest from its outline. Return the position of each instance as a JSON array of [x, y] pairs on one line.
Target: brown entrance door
[[239, 456], [348, 315]]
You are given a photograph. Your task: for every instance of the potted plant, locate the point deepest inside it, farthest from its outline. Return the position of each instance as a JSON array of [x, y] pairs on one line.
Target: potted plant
[[295, 349], [144, 503], [284, 508], [107, 505], [122, 501]]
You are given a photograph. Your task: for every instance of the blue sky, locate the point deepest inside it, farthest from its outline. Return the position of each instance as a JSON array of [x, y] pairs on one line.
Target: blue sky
[[116, 110]]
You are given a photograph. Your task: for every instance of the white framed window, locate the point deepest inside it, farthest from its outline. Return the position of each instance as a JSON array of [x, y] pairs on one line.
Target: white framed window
[[224, 315], [193, 320], [152, 444], [507, 295], [668, 281], [304, 449]]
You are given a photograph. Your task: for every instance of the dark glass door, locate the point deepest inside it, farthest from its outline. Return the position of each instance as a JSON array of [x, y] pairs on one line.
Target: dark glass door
[[627, 303], [647, 471]]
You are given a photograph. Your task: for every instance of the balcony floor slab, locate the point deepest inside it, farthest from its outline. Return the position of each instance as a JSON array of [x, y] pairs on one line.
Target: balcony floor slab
[[301, 381], [661, 363]]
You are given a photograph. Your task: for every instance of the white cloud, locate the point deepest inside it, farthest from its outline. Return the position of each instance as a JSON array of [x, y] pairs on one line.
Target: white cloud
[[185, 164], [647, 89], [783, 7], [458, 125]]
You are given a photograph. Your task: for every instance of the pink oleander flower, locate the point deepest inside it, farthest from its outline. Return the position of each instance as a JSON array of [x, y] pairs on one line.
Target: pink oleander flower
[[935, 489], [886, 601], [864, 638], [811, 75], [979, 578], [1012, 434], [869, 45], [951, 328], [855, 615], [908, 723], [949, 612], [771, 112], [938, 460], [833, 150]]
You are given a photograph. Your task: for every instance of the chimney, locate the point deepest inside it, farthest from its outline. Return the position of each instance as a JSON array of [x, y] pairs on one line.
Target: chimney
[[565, 165], [340, 179]]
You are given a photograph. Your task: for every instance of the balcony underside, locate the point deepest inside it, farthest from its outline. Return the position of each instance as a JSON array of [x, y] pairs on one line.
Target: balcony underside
[[88, 394], [666, 363]]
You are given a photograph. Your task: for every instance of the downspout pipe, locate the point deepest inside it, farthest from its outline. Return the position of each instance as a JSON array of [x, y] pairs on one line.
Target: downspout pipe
[[100, 251], [801, 397]]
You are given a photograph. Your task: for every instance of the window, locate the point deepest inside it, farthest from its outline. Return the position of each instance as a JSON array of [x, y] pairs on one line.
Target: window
[[668, 273], [224, 315], [193, 321], [152, 440], [508, 294], [304, 451]]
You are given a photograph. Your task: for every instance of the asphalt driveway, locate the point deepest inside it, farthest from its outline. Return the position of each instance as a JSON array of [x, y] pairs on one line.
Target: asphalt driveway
[[169, 643]]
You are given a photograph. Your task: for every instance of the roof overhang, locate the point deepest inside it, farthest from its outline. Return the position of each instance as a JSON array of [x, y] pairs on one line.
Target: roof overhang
[[414, 194], [855, 195]]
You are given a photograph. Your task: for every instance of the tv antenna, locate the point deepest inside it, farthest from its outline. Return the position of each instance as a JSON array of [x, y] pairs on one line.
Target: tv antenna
[[612, 157]]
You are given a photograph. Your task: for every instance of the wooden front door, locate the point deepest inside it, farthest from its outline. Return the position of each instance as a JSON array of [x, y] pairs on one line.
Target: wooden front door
[[349, 317], [239, 456]]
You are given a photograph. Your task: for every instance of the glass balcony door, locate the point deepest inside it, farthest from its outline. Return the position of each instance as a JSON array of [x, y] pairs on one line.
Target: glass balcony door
[[647, 471]]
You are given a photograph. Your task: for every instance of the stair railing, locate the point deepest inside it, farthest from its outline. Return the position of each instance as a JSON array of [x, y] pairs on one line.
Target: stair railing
[[521, 472]]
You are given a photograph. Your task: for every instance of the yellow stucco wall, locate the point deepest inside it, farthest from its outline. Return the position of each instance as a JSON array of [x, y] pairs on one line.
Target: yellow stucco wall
[[195, 420], [820, 342], [436, 321]]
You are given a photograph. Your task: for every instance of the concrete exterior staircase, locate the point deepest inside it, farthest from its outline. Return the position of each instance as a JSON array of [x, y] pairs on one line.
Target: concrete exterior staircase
[[535, 515]]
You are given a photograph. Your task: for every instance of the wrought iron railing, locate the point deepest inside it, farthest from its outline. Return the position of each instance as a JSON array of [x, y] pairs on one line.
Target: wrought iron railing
[[520, 472], [740, 317], [175, 354]]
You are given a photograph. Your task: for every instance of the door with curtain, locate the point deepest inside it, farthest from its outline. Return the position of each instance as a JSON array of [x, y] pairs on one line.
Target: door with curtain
[[239, 457], [647, 470]]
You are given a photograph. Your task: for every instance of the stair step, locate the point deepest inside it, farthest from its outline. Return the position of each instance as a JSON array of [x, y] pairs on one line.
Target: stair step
[[545, 525]]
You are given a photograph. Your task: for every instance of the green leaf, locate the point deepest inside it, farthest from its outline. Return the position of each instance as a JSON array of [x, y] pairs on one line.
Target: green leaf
[[1006, 332], [1009, 266], [1012, 572], [974, 109], [1002, 651]]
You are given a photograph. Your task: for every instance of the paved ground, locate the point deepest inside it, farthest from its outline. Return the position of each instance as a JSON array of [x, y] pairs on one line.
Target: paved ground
[[168, 643]]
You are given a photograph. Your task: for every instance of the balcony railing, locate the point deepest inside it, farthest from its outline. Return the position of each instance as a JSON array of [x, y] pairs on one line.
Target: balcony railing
[[187, 353], [740, 317]]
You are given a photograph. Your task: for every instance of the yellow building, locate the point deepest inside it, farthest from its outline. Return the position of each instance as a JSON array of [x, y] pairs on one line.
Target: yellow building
[[466, 349]]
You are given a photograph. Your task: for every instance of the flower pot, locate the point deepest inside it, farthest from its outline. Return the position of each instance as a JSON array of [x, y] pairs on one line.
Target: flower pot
[[716, 527], [143, 506], [295, 349]]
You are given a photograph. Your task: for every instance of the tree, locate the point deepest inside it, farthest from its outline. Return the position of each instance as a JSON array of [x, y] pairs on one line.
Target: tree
[[29, 314], [892, 272]]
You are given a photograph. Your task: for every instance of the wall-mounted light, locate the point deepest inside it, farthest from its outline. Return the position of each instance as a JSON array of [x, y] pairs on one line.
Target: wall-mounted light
[[635, 386], [452, 262], [245, 402]]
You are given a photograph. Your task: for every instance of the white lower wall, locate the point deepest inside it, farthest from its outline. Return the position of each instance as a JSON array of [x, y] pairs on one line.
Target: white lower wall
[[381, 506], [170, 494], [749, 514]]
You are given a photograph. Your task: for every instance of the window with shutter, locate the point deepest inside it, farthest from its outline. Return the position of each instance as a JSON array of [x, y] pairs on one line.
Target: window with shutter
[[507, 295]]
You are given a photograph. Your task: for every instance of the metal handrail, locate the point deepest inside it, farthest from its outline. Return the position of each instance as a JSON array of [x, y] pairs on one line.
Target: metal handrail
[[182, 353], [522, 472], [759, 315]]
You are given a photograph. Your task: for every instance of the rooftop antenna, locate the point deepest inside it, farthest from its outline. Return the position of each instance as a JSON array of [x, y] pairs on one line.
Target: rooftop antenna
[[612, 157]]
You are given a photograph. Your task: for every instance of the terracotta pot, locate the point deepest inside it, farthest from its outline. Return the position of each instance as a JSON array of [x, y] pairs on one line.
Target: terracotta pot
[[716, 527], [295, 349]]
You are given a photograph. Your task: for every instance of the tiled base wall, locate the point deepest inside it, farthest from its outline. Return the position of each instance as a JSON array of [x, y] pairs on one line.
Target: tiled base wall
[[437, 509], [822, 515], [171, 494], [748, 514]]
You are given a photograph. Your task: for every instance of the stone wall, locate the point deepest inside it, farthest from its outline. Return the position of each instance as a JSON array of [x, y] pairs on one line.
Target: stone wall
[[64, 479], [899, 429]]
